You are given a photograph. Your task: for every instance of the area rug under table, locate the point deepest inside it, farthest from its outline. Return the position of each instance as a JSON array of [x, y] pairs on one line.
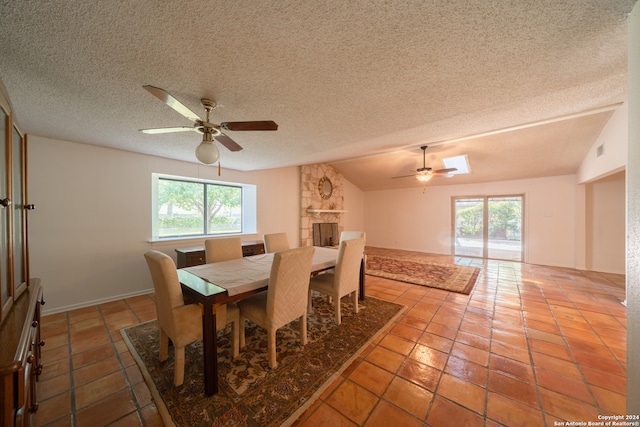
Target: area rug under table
[[250, 393], [449, 277]]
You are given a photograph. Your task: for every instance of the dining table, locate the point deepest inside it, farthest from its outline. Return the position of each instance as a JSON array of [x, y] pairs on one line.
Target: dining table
[[215, 284]]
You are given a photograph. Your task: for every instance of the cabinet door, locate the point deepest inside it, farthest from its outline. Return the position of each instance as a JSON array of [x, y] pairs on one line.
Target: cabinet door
[[6, 290], [18, 218], [14, 260]]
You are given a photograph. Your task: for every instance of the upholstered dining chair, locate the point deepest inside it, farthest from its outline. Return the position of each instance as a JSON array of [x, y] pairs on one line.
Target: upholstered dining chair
[[222, 249], [345, 279], [275, 242], [180, 323], [350, 235], [284, 300]]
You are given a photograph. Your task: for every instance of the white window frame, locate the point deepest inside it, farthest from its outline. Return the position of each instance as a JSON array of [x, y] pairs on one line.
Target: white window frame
[[248, 207]]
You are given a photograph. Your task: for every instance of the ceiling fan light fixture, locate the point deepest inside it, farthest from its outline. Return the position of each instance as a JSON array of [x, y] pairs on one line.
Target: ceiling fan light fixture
[[207, 152], [424, 176]]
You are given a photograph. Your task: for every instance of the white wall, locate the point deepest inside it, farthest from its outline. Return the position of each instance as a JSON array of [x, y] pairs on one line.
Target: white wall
[[605, 224], [353, 220], [92, 222], [600, 207], [613, 138], [420, 219], [633, 218]]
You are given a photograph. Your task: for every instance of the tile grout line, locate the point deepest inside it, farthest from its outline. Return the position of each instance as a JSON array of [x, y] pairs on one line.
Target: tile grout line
[[530, 351], [570, 350], [72, 394]]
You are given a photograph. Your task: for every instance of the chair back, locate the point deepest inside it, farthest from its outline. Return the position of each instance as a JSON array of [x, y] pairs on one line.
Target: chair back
[[167, 287], [275, 242], [347, 274], [222, 249], [350, 235], [288, 290]]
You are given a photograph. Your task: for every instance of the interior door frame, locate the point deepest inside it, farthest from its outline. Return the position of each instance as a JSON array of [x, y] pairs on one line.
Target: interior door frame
[[485, 224]]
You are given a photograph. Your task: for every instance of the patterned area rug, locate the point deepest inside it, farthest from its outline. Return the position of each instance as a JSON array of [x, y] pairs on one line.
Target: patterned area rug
[[449, 277], [250, 393]]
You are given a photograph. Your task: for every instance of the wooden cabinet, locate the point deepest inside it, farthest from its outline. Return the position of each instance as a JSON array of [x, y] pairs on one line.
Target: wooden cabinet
[[14, 260], [252, 248], [20, 358], [20, 296], [195, 256]]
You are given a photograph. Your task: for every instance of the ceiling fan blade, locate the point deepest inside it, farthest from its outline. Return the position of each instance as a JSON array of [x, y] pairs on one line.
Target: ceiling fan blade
[[165, 97], [255, 125], [168, 130], [228, 142], [444, 171], [403, 176]]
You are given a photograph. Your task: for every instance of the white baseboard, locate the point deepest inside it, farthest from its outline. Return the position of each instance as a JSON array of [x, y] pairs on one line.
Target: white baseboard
[[46, 312]]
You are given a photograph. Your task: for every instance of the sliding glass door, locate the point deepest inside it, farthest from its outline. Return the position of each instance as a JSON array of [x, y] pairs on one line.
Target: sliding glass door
[[488, 227], [505, 227], [468, 218]]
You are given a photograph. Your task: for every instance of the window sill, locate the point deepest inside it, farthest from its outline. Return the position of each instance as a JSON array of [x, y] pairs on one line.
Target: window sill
[[192, 239]]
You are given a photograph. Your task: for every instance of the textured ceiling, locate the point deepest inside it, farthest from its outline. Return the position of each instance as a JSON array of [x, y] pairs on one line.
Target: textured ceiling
[[365, 81]]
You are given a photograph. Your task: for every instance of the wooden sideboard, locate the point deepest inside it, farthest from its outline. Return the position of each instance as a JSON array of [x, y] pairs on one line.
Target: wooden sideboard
[[195, 256], [20, 358]]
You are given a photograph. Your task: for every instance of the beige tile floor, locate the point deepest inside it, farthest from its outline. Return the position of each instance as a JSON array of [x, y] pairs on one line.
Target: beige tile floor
[[531, 345]]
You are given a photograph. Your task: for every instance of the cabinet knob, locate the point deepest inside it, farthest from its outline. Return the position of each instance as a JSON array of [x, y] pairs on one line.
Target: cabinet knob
[[31, 358], [34, 408], [34, 323], [5, 202], [30, 207], [42, 343]]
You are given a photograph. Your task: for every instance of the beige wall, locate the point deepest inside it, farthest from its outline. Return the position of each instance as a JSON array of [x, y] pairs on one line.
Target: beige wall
[[613, 139], [605, 224], [92, 222], [353, 220], [633, 218], [420, 219]]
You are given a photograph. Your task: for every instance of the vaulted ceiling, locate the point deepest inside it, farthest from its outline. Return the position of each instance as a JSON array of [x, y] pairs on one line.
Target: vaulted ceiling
[[360, 85]]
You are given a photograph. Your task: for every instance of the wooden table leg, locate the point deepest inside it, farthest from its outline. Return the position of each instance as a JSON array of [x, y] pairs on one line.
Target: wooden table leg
[[362, 274], [209, 350]]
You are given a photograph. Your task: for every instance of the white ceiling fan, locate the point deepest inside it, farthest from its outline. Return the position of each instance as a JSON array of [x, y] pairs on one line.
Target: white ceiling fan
[[206, 152]]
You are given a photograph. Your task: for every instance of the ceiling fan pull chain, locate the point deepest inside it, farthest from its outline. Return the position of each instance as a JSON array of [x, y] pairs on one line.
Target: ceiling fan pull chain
[[218, 167]]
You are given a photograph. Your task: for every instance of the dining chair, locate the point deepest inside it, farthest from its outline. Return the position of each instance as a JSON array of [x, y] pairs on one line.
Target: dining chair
[[180, 323], [222, 249], [350, 235], [345, 279], [284, 300], [275, 242]]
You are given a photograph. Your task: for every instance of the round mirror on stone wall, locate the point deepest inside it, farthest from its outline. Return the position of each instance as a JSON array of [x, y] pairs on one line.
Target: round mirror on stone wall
[[325, 187]]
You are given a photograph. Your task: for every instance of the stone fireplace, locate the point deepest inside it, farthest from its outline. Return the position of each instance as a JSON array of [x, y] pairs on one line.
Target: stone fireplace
[[321, 201], [325, 234]]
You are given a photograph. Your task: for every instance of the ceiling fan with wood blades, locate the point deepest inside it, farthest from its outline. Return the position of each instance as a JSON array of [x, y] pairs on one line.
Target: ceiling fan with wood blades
[[206, 152], [424, 173]]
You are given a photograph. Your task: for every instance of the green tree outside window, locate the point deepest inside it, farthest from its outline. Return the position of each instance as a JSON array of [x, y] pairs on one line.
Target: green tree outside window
[[193, 208]]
